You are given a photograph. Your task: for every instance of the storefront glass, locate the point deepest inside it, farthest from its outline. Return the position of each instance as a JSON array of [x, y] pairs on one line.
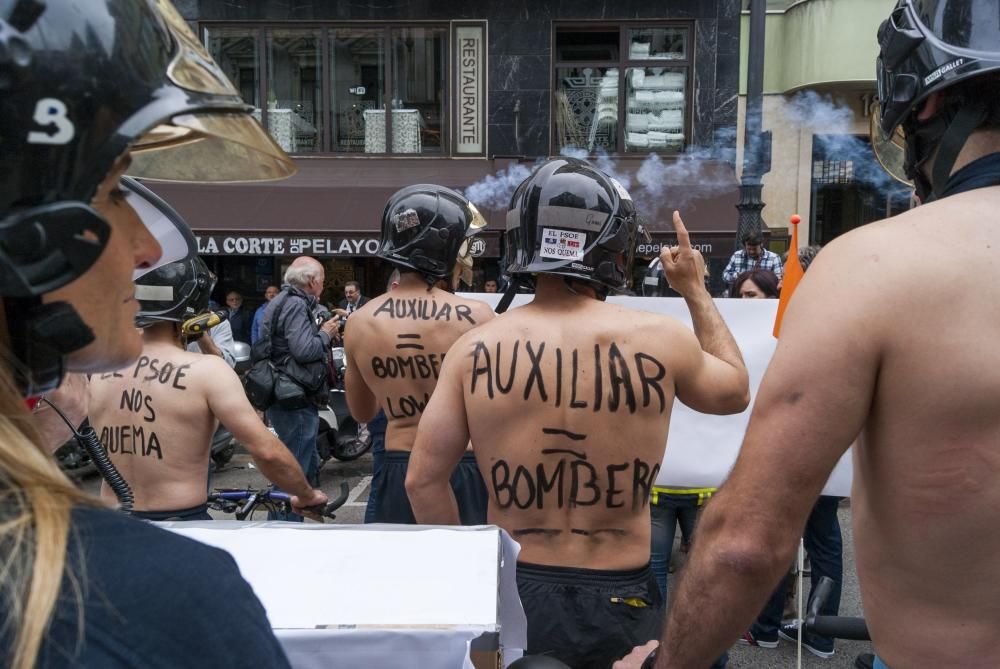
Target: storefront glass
[[596, 111], [357, 74], [294, 98], [419, 69]]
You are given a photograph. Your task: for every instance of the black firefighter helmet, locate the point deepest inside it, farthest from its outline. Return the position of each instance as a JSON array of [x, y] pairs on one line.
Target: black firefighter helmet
[[573, 220], [927, 46], [426, 228], [174, 292]]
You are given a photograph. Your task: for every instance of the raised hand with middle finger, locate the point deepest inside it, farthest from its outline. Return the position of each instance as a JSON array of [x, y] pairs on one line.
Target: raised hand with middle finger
[[683, 266]]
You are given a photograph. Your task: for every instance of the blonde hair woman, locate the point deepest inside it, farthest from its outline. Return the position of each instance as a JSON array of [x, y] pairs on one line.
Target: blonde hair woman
[[95, 87]]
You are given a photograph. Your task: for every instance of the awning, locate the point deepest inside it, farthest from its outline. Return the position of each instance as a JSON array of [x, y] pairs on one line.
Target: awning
[[333, 206]]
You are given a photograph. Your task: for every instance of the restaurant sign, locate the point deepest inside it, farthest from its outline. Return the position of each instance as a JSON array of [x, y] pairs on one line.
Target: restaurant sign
[[342, 245]]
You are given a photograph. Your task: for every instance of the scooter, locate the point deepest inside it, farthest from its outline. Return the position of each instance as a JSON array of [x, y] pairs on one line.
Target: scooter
[[340, 436]]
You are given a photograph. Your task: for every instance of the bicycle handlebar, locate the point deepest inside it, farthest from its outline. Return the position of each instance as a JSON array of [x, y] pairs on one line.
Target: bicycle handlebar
[[242, 502]]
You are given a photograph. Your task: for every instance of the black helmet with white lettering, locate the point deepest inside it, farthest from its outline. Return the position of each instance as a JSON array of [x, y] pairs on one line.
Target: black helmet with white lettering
[[426, 228], [928, 46], [571, 219], [81, 83], [174, 292]]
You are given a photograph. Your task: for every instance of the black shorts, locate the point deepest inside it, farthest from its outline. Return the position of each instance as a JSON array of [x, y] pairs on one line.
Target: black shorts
[[393, 505], [199, 512], [588, 618]]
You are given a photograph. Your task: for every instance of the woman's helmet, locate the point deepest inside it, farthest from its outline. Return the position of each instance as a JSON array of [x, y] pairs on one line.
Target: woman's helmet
[[571, 219], [80, 83], [928, 46], [426, 228]]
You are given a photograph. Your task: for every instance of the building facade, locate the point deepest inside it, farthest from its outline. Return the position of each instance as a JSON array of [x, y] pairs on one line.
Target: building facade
[[819, 89], [369, 97]]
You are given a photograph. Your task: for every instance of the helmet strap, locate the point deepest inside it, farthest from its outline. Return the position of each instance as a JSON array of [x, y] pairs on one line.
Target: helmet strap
[[942, 138], [41, 336], [600, 291]]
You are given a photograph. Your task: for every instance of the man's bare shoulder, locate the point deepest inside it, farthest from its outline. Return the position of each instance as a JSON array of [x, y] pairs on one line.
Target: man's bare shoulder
[[481, 311]]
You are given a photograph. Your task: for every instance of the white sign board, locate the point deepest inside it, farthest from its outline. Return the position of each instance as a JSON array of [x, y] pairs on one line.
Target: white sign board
[[470, 87], [377, 596]]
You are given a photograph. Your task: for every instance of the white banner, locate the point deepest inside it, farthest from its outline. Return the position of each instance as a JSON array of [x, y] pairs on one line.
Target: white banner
[[701, 449]]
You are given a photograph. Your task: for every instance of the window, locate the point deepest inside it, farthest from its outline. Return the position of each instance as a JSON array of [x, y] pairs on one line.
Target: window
[[342, 89], [849, 187], [622, 88]]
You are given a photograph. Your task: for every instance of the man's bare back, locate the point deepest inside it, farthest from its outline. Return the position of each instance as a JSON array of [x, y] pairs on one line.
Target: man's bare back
[[874, 345], [156, 419], [568, 402], [396, 345], [927, 470], [153, 420]]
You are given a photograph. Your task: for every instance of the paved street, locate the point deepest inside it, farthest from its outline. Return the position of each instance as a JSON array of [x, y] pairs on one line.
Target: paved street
[[241, 473]]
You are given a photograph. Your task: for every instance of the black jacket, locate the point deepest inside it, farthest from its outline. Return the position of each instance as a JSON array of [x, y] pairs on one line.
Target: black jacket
[[295, 335], [362, 301]]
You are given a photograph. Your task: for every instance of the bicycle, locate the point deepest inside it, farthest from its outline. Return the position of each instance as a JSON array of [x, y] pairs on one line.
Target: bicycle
[[244, 502]]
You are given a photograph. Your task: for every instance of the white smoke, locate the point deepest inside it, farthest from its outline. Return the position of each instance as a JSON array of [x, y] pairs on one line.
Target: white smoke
[[494, 192]]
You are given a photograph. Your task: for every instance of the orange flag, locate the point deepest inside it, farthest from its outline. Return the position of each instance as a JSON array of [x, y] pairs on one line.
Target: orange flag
[[792, 275]]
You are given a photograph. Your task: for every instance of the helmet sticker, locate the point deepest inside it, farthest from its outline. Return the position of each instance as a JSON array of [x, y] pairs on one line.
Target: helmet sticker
[[51, 112], [562, 244], [622, 193], [405, 220], [154, 293]]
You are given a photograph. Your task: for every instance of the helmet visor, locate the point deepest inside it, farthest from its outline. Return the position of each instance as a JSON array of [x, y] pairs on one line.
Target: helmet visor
[[215, 147], [890, 150], [478, 222], [163, 223]]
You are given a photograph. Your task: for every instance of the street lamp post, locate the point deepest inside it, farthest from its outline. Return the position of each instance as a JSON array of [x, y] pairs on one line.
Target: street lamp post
[[756, 144]]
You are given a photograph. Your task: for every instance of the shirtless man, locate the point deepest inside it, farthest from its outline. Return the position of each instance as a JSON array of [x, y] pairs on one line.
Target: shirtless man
[[397, 342], [870, 347], [567, 401], [157, 416]]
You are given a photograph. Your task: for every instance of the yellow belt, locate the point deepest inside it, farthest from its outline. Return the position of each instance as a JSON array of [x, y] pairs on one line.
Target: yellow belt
[[702, 493]]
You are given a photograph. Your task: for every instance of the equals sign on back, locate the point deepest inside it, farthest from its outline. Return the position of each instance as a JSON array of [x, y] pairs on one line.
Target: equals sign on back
[[407, 342]]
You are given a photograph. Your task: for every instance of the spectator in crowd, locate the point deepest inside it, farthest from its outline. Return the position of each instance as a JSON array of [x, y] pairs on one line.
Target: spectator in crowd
[[239, 317], [377, 427], [752, 256], [353, 300], [300, 350], [258, 315], [490, 286], [758, 284], [567, 435], [171, 418]]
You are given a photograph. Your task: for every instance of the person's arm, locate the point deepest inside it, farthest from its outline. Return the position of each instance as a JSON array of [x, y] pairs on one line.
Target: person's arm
[[779, 268], [812, 404], [228, 402], [729, 274], [220, 343], [715, 380], [442, 436], [360, 399], [305, 344], [258, 316]]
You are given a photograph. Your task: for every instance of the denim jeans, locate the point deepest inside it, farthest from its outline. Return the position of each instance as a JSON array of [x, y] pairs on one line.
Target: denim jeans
[[667, 513], [825, 547], [297, 429], [378, 460]]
